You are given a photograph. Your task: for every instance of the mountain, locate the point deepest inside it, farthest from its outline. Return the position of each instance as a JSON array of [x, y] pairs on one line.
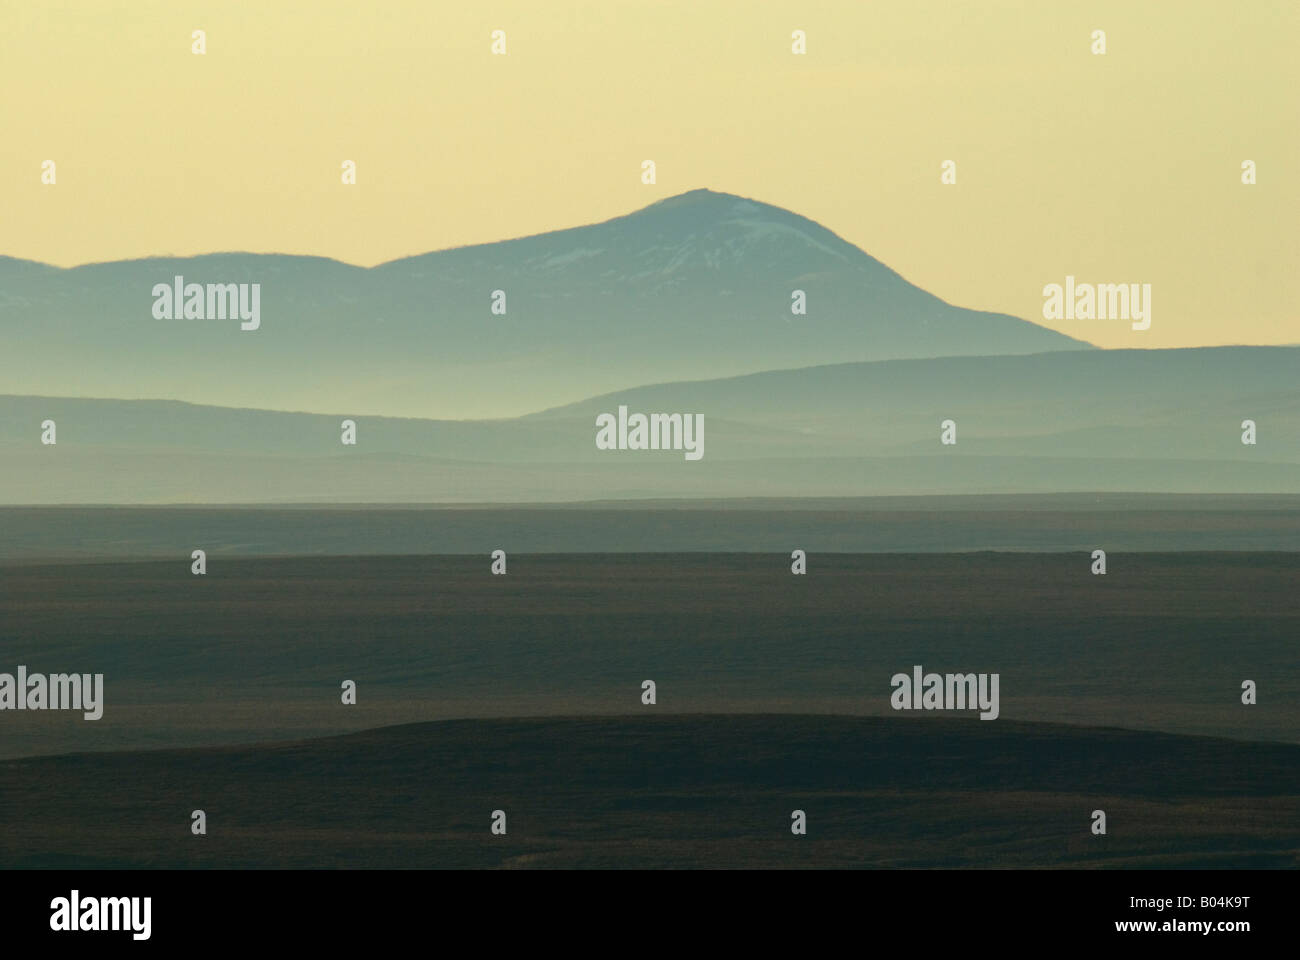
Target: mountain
[[695, 286], [1132, 420]]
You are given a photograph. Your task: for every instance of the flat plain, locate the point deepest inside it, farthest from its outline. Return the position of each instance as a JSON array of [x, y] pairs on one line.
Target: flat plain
[[522, 692]]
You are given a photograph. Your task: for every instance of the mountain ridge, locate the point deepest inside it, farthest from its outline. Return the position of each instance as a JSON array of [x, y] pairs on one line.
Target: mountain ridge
[[695, 198], [693, 286]]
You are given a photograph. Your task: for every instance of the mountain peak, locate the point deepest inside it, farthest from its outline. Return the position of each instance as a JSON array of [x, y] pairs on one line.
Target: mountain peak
[[711, 229], [702, 195], [717, 204]]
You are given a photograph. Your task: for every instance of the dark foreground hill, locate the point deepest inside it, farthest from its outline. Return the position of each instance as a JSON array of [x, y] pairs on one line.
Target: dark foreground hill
[[670, 791]]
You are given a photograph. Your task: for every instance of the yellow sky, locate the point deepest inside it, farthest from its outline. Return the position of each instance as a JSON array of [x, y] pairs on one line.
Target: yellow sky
[[1117, 168]]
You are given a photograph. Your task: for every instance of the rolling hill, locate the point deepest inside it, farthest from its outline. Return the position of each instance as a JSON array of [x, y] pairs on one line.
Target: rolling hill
[[1158, 421]]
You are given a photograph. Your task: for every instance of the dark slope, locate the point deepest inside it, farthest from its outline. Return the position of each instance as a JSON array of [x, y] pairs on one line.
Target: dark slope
[[679, 791]]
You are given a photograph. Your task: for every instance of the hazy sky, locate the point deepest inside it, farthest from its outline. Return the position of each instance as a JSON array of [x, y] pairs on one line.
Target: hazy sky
[[1117, 168]]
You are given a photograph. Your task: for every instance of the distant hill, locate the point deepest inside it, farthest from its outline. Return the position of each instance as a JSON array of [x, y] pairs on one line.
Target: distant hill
[[1142, 404], [1159, 421], [698, 285]]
